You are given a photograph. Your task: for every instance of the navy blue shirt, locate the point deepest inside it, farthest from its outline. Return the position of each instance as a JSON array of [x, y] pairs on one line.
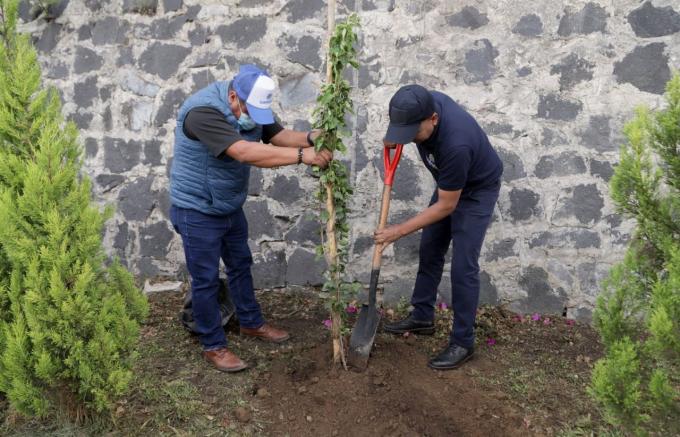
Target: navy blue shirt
[[459, 154]]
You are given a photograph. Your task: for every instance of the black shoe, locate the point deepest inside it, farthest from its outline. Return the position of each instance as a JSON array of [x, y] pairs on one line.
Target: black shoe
[[409, 325], [451, 357]]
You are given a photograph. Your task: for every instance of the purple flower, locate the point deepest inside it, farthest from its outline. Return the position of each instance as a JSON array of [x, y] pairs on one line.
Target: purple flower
[[442, 306], [351, 309], [328, 323], [490, 341], [536, 317]]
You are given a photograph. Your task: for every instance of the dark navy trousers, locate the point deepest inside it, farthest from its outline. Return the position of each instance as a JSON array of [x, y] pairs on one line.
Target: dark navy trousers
[[207, 239], [465, 229]]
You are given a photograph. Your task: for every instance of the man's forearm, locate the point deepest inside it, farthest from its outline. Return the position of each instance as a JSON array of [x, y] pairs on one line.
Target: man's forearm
[[262, 155], [432, 214], [290, 138]]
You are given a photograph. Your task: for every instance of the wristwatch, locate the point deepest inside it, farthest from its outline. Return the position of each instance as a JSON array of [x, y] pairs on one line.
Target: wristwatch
[[299, 155], [309, 139]]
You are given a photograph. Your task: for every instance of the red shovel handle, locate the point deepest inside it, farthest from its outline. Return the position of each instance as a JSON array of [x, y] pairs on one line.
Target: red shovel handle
[[391, 163]]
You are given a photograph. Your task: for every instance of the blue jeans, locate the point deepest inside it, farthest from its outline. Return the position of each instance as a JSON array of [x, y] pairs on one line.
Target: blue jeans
[[466, 227], [206, 239]]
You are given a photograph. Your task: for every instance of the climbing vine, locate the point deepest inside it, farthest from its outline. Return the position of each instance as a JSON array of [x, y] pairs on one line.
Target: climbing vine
[[335, 191]]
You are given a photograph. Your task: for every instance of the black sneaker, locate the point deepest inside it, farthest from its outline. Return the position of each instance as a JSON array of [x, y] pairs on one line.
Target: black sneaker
[[409, 325], [451, 358]]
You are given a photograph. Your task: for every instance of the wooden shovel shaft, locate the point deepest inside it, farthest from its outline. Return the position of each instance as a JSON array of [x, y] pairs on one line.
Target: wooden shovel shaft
[[377, 250]]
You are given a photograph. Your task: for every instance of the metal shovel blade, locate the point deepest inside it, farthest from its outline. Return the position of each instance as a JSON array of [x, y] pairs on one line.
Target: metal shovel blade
[[363, 335]]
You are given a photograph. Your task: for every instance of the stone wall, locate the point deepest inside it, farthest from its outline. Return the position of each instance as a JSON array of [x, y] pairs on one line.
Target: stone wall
[[552, 83]]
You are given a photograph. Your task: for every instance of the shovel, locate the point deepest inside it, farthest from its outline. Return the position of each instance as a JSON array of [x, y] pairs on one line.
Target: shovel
[[364, 331]]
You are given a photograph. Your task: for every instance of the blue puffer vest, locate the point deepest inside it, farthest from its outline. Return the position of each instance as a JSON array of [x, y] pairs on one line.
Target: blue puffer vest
[[198, 180]]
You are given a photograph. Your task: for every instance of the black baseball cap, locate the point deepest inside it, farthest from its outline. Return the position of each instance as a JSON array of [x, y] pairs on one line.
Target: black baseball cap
[[408, 107]]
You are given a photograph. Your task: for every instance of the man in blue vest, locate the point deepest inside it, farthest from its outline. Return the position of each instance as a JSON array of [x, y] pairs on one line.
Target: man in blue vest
[[221, 131], [467, 170]]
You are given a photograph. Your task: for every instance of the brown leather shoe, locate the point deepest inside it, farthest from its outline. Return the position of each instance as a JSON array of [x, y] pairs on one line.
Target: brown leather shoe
[[266, 332], [224, 360]]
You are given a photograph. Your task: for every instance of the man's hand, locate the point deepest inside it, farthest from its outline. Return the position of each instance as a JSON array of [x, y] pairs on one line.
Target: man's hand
[[314, 135], [320, 159], [384, 237]]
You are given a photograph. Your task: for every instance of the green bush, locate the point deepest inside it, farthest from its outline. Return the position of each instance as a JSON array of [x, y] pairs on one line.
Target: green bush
[[69, 324], [638, 313]]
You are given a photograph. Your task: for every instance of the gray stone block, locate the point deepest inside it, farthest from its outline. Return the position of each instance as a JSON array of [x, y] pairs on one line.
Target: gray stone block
[[49, 38], [598, 134], [261, 223], [480, 61], [542, 297], [649, 21], [564, 164], [529, 25], [135, 200], [120, 155], [602, 169], [501, 249], [146, 268], [646, 68], [524, 204], [154, 240], [298, 90], [108, 182], [86, 60], [202, 79], [584, 202], [91, 147], [172, 5], [256, 182], [513, 168], [163, 59], [82, 119], [243, 32], [166, 28], [488, 294], [198, 36], [84, 92], [304, 50], [554, 107], [286, 190], [572, 70], [171, 101], [299, 10], [152, 152], [577, 239], [591, 18], [122, 236], [84, 32], [269, 269], [304, 268], [305, 231], [125, 57], [406, 181], [469, 17], [110, 30]]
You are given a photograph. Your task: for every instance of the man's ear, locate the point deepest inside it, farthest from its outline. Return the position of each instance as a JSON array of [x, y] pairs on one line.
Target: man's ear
[[435, 119]]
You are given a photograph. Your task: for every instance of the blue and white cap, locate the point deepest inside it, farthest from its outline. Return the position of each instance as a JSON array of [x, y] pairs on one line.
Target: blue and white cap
[[254, 86]]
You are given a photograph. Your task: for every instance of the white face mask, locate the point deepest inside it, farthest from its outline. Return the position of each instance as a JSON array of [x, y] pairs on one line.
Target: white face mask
[[245, 123]]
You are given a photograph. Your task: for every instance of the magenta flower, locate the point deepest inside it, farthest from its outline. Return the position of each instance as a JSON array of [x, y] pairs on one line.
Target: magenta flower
[[536, 317], [571, 322], [328, 323], [490, 341], [442, 306], [351, 309]]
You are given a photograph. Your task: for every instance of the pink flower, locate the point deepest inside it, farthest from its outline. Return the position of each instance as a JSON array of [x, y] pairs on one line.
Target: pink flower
[[547, 321], [490, 341], [351, 309], [536, 317], [328, 323], [571, 322], [442, 306], [517, 318]]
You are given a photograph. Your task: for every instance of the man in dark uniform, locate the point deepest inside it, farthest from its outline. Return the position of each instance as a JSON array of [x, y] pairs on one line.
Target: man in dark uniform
[[467, 170], [217, 139]]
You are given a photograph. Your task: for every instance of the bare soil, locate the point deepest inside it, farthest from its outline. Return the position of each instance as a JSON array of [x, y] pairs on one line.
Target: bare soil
[[528, 377]]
